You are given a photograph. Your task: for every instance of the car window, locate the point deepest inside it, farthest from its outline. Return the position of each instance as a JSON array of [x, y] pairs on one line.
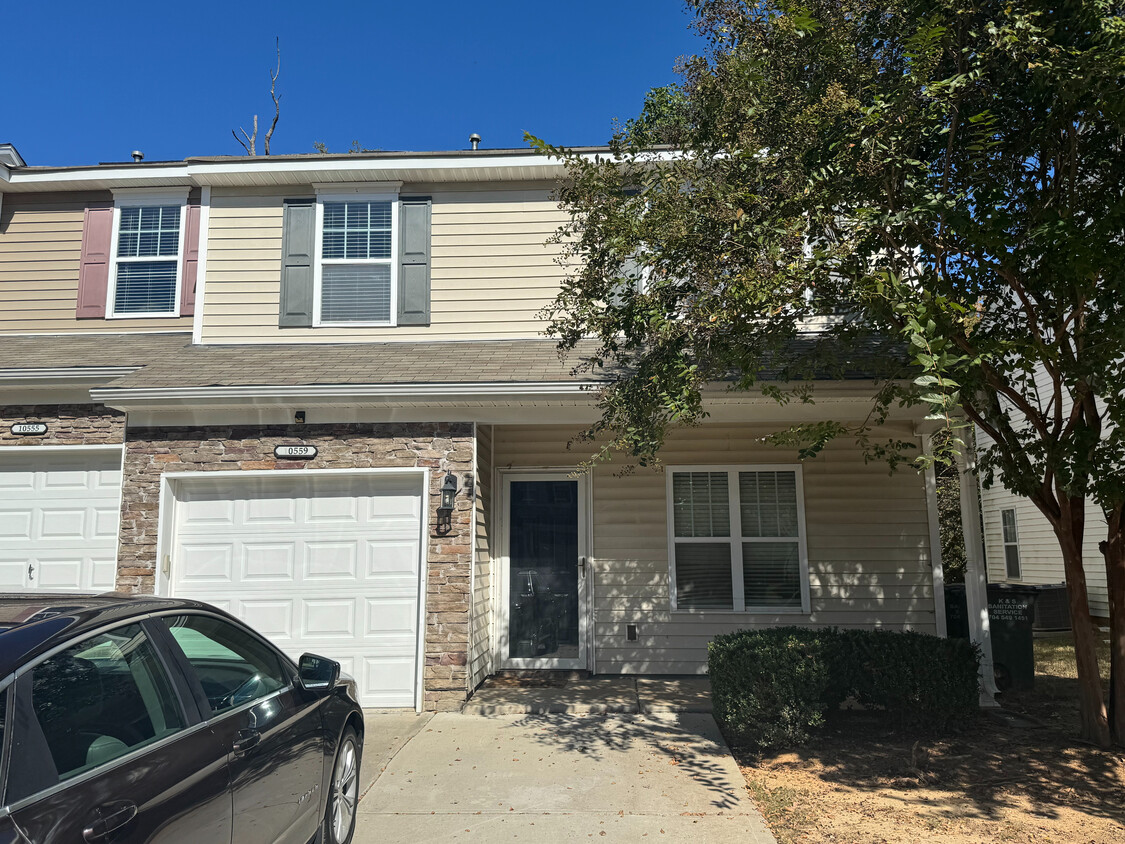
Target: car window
[[233, 666], [102, 698]]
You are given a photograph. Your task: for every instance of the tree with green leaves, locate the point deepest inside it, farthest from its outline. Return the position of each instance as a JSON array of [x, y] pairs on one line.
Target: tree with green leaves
[[928, 190]]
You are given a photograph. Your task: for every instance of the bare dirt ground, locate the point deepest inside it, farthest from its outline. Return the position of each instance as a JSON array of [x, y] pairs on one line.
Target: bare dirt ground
[[988, 781]]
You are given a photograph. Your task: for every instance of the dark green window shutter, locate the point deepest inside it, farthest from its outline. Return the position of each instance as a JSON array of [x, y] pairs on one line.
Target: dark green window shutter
[[414, 261], [298, 241]]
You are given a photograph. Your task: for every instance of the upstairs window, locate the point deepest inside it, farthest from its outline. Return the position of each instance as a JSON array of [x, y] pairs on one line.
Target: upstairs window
[[738, 539], [147, 257], [357, 255]]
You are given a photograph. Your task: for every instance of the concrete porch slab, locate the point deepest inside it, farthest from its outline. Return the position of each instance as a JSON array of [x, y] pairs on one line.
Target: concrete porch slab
[[600, 695], [686, 693]]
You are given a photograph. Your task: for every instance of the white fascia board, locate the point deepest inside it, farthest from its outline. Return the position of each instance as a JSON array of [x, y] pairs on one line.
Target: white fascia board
[[53, 376], [335, 393], [200, 174]]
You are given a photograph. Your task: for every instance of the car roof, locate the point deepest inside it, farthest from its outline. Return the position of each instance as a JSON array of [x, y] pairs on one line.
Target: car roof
[[34, 622]]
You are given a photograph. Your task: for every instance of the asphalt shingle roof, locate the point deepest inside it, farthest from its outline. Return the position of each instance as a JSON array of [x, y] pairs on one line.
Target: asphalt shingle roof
[[69, 351]]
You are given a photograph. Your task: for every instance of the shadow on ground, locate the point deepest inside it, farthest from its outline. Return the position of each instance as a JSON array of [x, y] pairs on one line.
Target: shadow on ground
[[690, 742]]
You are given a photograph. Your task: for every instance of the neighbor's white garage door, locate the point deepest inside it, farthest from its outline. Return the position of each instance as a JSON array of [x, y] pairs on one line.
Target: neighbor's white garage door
[[58, 519], [318, 563]]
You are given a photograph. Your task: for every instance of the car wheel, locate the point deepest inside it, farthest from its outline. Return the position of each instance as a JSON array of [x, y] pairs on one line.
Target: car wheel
[[343, 792]]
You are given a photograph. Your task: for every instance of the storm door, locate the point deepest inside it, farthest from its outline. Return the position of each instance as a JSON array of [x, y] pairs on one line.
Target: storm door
[[543, 613]]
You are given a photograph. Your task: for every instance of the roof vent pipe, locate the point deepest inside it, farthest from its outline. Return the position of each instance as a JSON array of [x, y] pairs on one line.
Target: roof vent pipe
[[138, 156], [474, 139]]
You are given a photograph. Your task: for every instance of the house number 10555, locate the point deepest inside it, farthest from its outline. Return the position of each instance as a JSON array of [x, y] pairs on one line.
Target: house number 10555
[[29, 428], [300, 452]]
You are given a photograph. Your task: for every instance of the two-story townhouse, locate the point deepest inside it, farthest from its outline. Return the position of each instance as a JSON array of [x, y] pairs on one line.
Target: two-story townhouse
[[314, 390]]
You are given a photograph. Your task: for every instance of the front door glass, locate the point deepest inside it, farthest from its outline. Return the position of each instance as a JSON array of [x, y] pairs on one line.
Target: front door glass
[[543, 594]]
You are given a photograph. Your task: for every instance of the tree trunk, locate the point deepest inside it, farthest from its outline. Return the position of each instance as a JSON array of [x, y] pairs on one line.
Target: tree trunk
[[1113, 548], [1091, 699]]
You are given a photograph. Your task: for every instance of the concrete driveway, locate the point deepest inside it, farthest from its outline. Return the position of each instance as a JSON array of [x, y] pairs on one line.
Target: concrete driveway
[[622, 777]]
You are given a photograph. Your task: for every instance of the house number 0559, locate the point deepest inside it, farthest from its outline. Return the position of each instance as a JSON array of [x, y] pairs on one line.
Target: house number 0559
[[295, 451]]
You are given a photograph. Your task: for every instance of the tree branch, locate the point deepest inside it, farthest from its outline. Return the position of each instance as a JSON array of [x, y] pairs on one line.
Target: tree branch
[[276, 98]]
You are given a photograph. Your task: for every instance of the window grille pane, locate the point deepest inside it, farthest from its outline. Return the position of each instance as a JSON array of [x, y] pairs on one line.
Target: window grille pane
[[355, 293], [700, 504], [771, 574], [703, 576], [1012, 560], [145, 287], [149, 231], [1008, 518], [768, 503], [356, 230]]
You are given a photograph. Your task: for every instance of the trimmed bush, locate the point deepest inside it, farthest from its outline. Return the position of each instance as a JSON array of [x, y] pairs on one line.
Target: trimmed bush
[[773, 687], [923, 682]]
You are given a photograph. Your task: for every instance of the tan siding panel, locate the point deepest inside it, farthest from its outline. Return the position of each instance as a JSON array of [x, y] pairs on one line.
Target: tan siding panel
[[868, 541], [490, 260], [40, 250]]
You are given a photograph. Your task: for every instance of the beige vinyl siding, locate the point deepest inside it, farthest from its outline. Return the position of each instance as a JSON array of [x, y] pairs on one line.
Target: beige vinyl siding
[[491, 268], [480, 626], [40, 253], [868, 544], [1040, 558]]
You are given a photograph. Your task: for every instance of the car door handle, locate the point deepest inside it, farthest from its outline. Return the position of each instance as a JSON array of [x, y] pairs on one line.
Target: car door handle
[[246, 740], [110, 817]]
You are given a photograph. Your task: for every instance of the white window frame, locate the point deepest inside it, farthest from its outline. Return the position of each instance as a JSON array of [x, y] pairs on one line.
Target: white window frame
[[133, 199], [1014, 543], [359, 193], [735, 539]]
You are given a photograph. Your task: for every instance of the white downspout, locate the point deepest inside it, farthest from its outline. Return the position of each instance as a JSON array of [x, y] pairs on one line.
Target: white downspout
[[936, 562], [976, 583]]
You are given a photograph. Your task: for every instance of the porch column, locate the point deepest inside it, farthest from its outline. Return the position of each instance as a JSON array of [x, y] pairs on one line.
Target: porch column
[[976, 582]]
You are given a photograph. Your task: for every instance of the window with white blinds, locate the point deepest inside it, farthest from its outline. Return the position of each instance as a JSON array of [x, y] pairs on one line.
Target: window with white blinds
[[356, 266], [762, 562], [147, 260], [1011, 544]]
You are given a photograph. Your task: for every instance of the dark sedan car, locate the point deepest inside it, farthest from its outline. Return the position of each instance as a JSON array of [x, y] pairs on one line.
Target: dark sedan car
[[129, 719]]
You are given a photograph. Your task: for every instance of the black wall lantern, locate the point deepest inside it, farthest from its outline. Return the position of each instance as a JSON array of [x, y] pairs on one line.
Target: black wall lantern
[[445, 508]]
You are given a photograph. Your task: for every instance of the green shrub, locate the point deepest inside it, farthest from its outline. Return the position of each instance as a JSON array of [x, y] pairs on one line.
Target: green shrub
[[920, 680], [772, 687]]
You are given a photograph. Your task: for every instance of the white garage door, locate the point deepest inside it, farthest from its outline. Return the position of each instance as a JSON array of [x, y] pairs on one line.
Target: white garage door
[[58, 519], [322, 563]]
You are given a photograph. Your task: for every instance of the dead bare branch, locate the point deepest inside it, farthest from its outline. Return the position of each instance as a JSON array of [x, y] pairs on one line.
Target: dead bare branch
[[276, 98], [250, 144]]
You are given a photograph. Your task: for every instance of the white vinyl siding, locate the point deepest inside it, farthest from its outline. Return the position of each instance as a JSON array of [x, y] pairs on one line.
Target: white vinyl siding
[[492, 270], [146, 261], [355, 269], [867, 539], [40, 254]]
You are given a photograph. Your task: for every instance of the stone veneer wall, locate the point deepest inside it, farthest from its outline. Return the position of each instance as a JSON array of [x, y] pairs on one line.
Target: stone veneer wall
[[67, 424], [439, 446]]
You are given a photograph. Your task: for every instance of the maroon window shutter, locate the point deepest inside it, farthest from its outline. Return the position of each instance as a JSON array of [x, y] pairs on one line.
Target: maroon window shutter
[[191, 260], [93, 273]]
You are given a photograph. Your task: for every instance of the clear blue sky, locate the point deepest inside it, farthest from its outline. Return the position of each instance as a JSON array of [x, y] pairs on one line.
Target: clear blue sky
[[91, 81]]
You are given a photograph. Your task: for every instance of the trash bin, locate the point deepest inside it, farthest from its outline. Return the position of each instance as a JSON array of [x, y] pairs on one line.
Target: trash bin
[[1011, 612]]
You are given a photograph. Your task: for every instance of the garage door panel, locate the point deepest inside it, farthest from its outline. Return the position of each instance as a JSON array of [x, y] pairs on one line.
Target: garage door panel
[[272, 617], [330, 618], [59, 513], [205, 563], [15, 525], [320, 564], [267, 561]]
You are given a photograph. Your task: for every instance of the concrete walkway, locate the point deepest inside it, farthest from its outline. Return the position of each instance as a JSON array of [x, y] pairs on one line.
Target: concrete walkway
[[605, 693], [556, 777]]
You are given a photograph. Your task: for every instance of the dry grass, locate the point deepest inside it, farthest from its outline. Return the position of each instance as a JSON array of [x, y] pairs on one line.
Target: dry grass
[[985, 781]]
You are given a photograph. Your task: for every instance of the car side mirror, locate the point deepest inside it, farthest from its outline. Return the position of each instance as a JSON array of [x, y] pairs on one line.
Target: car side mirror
[[317, 673]]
